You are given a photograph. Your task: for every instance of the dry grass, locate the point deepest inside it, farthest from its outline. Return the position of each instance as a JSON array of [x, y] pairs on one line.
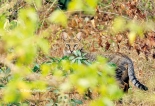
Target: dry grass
[[95, 40]]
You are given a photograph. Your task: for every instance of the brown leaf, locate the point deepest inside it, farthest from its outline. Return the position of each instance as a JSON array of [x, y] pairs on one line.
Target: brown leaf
[[107, 45], [93, 23], [100, 41], [93, 47], [119, 38], [137, 50], [140, 73]]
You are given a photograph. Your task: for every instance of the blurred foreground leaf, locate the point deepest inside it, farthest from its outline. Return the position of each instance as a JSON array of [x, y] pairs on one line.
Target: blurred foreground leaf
[[58, 17]]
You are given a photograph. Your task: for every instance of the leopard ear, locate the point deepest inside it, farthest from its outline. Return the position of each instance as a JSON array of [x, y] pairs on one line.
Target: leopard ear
[[79, 35], [64, 35]]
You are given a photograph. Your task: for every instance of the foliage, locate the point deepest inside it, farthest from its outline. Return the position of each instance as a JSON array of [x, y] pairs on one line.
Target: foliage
[[19, 37], [25, 40], [100, 78], [79, 58], [87, 6]]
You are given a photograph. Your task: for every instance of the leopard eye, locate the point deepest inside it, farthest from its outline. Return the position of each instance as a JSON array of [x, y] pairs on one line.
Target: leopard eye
[[67, 45], [75, 45]]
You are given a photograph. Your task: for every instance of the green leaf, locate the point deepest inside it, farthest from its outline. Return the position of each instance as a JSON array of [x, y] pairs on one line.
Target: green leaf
[[53, 59], [1, 85], [28, 21], [79, 58], [79, 53], [13, 24], [84, 54], [83, 58], [75, 5], [44, 45], [58, 17], [36, 68], [65, 58], [76, 61], [119, 24], [99, 73], [71, 58], [7, 70], [1, 70], [3, 20], [37, 3], [73, 61], [112, 64], [79, 62], [92, 3], [77, 101], [75, 53], [86, 62]]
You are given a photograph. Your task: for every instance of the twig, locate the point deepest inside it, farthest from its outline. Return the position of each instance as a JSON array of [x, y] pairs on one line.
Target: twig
[[35, 5], [116, 14], [107, 6], [47, 12]]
